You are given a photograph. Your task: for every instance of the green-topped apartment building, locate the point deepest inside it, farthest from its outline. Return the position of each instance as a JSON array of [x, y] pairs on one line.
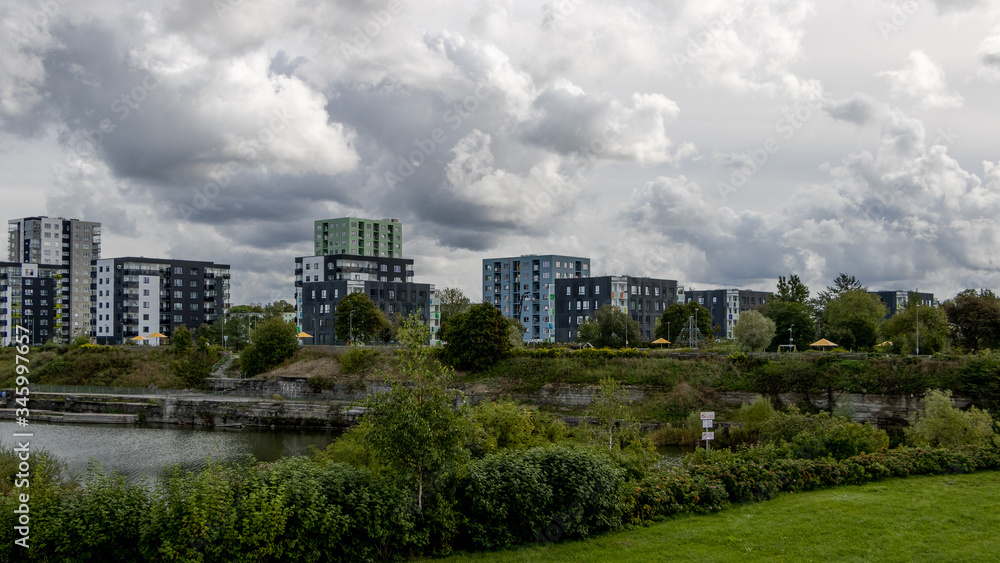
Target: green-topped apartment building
[[359, 237]]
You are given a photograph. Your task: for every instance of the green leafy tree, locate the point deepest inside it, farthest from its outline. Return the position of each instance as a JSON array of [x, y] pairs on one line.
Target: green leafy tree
[[974, 319], [515, 332], [453, 302], [278, 309], [613, 325], [477, 338], [612, 407], [181, 339], [753, 331], [676, 316], [901, 329], [358, 318], [273, 342], [790, 315], [588, 332], [842, 284], [791, 290], [941, 424], [852, 319], [414, 431]]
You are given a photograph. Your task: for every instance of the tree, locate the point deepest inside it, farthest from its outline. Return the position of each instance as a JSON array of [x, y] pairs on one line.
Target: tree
[[901, 329], [611, 407], [181, 339], [588, 332], [791, 290], [515, 332], [278, 309], [453, 302], [273, 342], [974, 319], [843, 283], [790, 315], [943, 425], [613, 325], [477, 338], [358, 318], [413, 430], [753, 331], [676, 316], [852, 319]]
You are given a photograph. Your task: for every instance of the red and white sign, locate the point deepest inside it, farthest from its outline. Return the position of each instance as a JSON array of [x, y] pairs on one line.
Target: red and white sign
[[707, 423], [708, 415], [708, 435]]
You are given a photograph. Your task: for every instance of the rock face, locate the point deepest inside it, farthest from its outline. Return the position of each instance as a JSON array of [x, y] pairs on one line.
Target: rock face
[[293, 402]]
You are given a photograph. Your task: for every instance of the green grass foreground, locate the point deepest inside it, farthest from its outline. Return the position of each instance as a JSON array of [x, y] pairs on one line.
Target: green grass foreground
[[938, 518]]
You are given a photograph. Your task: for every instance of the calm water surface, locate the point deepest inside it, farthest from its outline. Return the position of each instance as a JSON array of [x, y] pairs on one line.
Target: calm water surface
[[138, 451]]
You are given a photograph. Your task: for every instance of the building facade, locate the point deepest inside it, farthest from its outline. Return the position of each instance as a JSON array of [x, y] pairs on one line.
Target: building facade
[[359, 237], [143, 296], [524, 288], [899, 299], [321, 282], [725, 306], [65, 242], [641, 298], [35, 297]]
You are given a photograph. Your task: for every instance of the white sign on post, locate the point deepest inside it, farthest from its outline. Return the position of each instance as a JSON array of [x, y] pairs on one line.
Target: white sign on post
[[708, 415], [707, 423], [708, 436]]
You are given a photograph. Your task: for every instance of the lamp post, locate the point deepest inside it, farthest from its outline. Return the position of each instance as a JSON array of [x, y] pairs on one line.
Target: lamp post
[[790, 334], [916, 295], [351, 323]]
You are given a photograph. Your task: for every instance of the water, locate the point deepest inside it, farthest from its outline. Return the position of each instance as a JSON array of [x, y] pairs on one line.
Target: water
[[138, 451]]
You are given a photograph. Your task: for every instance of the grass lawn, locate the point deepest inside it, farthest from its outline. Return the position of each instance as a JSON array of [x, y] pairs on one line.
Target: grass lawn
[[941, 518]]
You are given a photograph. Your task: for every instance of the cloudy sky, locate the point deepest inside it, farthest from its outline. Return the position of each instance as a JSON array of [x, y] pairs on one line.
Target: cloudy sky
[[719, 143]]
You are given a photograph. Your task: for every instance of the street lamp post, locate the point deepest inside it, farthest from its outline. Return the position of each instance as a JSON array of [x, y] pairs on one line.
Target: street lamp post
[[351, 322], [790, 334], [917, 296]]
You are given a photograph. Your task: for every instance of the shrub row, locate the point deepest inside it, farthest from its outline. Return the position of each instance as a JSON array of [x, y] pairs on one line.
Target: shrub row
[[717, 481], [300, 510], [589, 353]]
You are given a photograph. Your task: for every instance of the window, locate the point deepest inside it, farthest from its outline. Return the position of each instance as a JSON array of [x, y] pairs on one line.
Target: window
[[322, 294], [178, 295], [581, 290], [178, 318], [569, 290], [145, 293], [145, 317], [656, 291], [194, 283], [178, 306], [178, 282], [194, 306], [385, 268], [193, 295], [145, 304], [178, 270], [144, 280], [307, 266], [647, 290]]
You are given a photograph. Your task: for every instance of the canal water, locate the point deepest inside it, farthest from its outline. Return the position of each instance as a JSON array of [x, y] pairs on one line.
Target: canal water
[[138, 451]]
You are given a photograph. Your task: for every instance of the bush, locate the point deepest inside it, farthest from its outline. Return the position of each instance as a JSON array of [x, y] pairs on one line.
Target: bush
[[541, 494], [358, 360], [941, 424]]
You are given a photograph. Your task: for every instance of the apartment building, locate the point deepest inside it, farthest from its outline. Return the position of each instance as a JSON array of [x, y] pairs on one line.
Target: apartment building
[[359, 237], [524, 288], [71, 243], [137, 296], [642, 298], [725, 306], [35, 297], [899, 299], [321, 282]]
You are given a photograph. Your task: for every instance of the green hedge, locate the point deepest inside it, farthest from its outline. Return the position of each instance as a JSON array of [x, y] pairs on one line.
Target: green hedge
[[299, 510]]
